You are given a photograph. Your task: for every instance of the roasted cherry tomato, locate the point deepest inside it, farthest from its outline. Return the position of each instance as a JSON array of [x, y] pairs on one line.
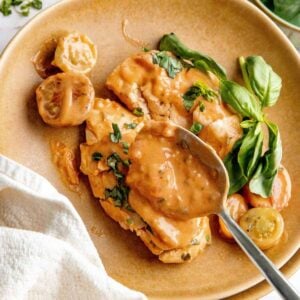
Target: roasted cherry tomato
[[65, 99], [281, 192], [236, 207], [263, 225], [75, 53], [43, 59]]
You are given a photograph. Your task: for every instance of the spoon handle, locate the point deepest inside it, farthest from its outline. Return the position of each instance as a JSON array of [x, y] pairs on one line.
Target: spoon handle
[[271, 273]]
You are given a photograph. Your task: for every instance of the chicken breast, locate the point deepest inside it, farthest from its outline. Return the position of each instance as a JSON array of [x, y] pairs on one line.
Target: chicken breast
[[138, 82], [103, 162]]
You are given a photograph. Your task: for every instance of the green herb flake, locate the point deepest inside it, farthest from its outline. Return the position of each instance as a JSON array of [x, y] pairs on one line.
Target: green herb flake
[[171, 64], [130, 125], [125, 147], [119, 194], [127, 162], [116, 135], [138, 112], [207, 237], [96, 156], [145, 49], [195, 91], [196, 128], [201, 106]]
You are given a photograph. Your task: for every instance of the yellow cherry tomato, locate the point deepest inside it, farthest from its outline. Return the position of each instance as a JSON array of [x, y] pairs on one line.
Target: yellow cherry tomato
[[281, 192], [76, 53], [42, 60], [263, 225], [65, 99]]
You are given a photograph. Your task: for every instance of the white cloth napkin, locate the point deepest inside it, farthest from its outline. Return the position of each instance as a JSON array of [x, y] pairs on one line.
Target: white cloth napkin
[[45, 250]]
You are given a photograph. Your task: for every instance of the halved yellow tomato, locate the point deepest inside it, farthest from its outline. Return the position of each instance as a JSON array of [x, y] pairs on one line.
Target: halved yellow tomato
[[42, 60], [76, 53], [263, 225], [65, 99]]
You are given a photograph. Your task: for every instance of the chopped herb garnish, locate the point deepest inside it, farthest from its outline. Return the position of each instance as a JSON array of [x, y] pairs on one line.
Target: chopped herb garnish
[[96, 156], [171, 64], [207, 237], [125, 147], [185, 256], [138, 111], [5, 6], [119, 194], [196, 128], [145, 49], [201, 106], [112, 162], [127, 162], [116, 135], [195, 91], [130, 125]]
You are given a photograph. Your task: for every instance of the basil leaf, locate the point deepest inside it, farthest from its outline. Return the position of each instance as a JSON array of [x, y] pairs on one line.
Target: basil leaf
[[130, 125], [263, 179], [201, 106], [138, 112], [125, 147], [170, 42], [240, 99], [195, 91], [116, 135], [288, 10], [260, 78], [5, 7], [236, 175], [119, 194], [171, 64], [251, 149], [196, 128]]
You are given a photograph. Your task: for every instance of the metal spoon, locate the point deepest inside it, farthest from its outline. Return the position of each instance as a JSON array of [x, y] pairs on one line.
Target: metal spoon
[[208, 156]]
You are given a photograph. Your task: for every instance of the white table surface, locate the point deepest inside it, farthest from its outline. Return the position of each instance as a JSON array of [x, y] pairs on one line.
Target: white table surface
[[10, 25]]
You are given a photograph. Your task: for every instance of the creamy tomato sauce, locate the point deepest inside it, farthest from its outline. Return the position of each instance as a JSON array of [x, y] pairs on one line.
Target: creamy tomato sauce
[[164, 171], [65, 161]]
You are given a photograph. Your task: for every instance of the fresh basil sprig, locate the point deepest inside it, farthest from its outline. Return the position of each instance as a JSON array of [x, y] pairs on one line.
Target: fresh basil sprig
[[237, 178], [170, 42], [260, 78], [245, 163], [262, 181], [242, 161], [241, 100]]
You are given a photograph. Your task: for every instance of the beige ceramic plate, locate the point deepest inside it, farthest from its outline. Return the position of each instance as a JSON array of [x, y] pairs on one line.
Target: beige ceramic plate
[[224, 30]]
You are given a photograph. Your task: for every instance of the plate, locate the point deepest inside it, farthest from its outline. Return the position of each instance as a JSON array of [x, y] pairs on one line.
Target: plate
[[222, 29]]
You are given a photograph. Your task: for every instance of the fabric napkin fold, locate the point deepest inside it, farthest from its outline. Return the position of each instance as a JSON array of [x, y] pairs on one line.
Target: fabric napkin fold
[[45, 249]]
